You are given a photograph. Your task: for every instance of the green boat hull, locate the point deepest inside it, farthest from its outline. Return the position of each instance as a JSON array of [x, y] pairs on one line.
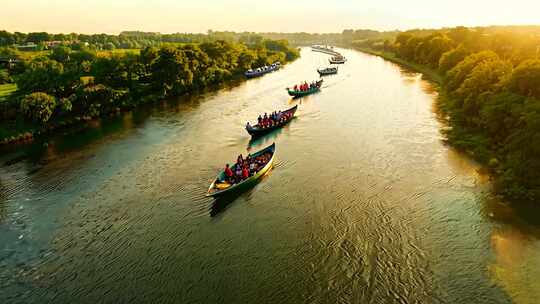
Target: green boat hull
[[250, 182], [296, 94]]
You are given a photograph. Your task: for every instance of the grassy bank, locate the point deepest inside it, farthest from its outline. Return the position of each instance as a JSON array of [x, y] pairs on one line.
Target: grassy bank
[[6, 90]]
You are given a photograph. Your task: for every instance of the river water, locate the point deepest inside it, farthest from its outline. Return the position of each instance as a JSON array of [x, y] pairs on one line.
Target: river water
[[365, 204]]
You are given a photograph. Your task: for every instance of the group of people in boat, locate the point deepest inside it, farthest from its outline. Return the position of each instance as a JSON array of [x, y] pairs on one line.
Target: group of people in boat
[[275, 118], [265, 68], [245, 167], [305, 86]]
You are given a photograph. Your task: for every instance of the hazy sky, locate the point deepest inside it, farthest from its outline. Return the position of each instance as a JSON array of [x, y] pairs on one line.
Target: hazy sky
[[167, 16]]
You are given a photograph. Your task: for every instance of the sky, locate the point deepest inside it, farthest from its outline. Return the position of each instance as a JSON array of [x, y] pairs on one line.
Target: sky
[[172, 16]]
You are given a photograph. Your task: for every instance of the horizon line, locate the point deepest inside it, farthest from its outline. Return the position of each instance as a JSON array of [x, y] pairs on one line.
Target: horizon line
[[277, 32]]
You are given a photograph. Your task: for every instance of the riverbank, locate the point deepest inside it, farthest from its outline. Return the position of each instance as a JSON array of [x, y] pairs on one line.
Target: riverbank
[[473, 142], [21, 132], [67, 88]]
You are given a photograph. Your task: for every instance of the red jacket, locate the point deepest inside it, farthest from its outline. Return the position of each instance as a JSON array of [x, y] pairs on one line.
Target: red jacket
[[228, 172]]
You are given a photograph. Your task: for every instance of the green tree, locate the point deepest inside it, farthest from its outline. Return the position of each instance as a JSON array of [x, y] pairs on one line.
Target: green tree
[[147, 56], [38, 106], [522, 165], [38, 37], [459, 73], [501, 114], [437, 45], [487, 78], [108, 71], [170, 72], [42, 75], [6, 38], [109, 46], [525, 79], [222, 54], [198, 63], [451, 58], [246, 59], [61, 54]]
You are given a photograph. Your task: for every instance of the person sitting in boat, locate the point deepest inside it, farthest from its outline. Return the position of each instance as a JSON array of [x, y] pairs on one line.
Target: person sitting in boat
[[239, 160], [260, 160], [229, 176], [259, 119], [245, 173], [248, 126], [238, 174], [252, 167]]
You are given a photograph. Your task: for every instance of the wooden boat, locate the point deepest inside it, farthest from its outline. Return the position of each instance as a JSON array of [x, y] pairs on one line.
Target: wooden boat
[[337, 60], [256, 130], [263, 70], [324, 49], [219, 187], [328, 71], [297, 93]]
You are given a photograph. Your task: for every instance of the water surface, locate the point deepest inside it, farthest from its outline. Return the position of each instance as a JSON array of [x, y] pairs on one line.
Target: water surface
[[365, 204]]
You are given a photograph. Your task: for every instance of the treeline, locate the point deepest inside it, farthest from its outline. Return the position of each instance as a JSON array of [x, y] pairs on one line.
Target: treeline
[[138, 39], [70, 85], [339, 39], [491, 82], [126, 39]]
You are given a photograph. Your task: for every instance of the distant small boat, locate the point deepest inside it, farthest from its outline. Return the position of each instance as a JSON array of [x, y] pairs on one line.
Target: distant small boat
[[220, 187], [263, 70], [327, 71], [337, 60], [298, 93], [257, 130], [324, 49]]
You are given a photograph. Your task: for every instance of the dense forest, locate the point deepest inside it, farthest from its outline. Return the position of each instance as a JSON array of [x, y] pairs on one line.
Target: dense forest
[[490, 79], [137, 39], [125, 40], [65, 85]]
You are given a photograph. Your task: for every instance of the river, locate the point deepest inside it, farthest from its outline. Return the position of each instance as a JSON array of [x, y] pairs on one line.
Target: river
[[365, 204]]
